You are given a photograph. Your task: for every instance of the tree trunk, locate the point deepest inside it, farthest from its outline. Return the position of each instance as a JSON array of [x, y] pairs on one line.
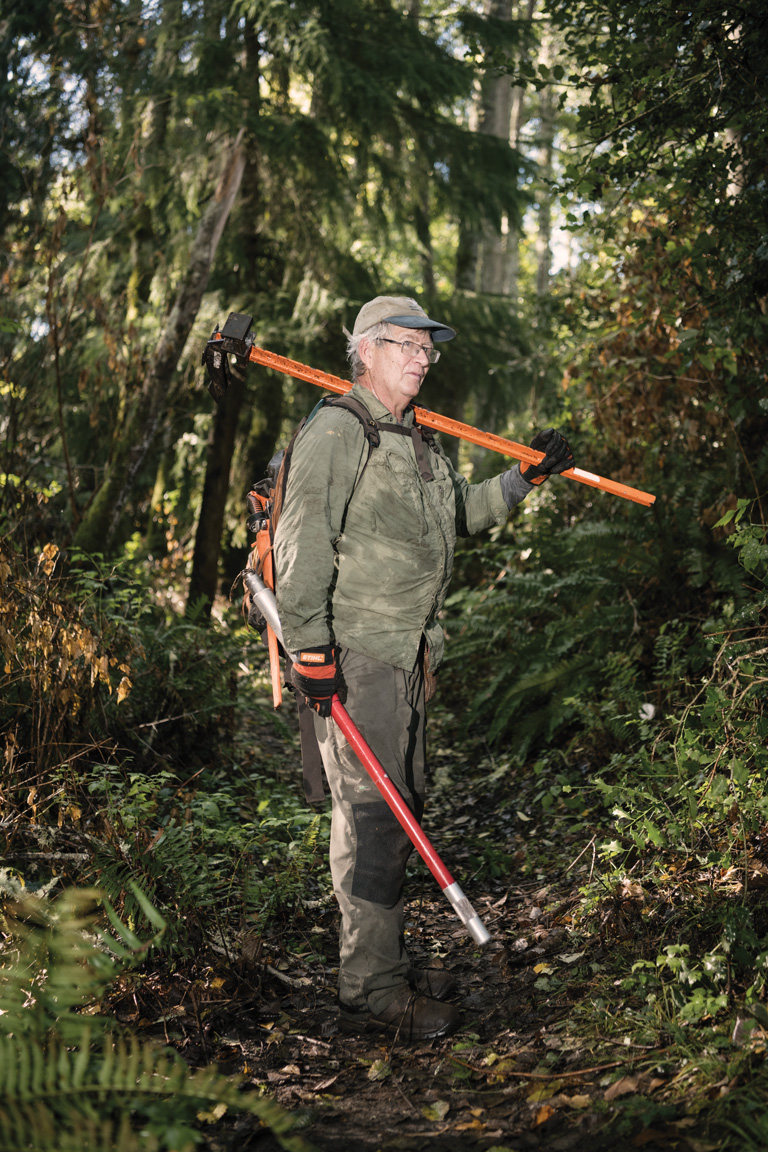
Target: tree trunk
[[482, 258], [544, 194], [99, 526], [487, 260], [210, 525]]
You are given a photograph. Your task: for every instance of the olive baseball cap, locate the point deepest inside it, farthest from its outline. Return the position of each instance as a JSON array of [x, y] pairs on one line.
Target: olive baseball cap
[[403, 312]]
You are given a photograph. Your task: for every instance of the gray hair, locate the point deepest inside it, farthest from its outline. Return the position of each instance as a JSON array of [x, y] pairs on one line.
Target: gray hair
[[357, 367]]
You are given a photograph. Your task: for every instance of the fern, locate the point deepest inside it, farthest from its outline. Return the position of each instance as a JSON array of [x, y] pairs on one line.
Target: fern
[[564, 637], [63, 962], [96, 1089], [67, 1081]]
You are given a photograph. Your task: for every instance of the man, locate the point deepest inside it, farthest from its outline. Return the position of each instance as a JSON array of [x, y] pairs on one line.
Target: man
[[364, 551]]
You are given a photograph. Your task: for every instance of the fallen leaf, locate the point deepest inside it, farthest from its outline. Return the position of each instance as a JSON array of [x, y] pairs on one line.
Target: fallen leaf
[[622, 1087], [215, 1114], [379, 1070], [577, 1101], [321, 1087], [544, 1114], [545, 1092], [438, 1111]]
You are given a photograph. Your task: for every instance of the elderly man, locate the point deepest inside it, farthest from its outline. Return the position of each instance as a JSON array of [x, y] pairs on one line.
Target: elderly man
[[364, 550]]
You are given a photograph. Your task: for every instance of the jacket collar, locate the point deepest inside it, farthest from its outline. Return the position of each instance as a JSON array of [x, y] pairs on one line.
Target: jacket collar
[[378, 410]]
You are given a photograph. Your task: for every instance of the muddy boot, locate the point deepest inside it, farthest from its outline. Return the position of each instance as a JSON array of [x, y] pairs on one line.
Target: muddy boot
[[434, 982], [410, 1016]]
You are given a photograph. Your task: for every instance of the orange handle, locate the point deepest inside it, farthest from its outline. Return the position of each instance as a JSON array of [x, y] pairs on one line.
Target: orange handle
[[451, 427]]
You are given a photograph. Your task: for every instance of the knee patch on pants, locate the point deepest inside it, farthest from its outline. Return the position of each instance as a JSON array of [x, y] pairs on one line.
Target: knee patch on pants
[[383, 847]]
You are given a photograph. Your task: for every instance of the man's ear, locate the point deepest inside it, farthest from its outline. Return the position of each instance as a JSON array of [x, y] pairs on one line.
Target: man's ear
[[365, 351]]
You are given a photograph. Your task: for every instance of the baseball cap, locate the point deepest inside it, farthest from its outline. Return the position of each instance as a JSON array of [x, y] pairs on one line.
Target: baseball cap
[[403, 312]]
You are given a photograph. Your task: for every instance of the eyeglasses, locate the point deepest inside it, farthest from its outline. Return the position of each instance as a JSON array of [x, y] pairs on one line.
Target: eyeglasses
[[411, 349]]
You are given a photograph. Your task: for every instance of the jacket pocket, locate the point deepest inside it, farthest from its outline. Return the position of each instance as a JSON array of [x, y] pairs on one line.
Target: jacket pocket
[[396, 501]]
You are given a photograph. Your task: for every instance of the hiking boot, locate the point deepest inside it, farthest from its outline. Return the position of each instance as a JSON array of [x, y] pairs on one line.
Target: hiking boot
[[434, 982], [409, 1015]]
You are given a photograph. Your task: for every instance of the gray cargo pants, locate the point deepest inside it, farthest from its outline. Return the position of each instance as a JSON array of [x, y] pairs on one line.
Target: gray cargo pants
[[369, 848]]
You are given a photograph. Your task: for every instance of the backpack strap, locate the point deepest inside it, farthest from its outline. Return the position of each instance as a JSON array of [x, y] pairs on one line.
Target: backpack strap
[[368, 423], [418, 439], [372, 428]]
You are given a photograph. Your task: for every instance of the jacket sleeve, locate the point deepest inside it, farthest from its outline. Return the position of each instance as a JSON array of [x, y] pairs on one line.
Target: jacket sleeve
[[482, 505], [327, 458]]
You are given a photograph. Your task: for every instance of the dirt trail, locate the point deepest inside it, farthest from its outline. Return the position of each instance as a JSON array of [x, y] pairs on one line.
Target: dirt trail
[[512, 1078]]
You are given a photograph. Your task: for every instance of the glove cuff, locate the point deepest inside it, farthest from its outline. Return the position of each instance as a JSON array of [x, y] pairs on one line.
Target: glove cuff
[[318, 657]]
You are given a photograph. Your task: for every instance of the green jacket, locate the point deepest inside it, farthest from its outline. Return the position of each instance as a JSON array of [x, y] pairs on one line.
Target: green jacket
[[368, 566]]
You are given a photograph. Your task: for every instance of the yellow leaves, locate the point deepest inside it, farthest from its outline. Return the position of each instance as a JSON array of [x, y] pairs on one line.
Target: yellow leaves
[[71, 810], [99, 668], [547, 1099], [544, 1114], [473, 1125], [46, 561], [45, 642], [215, 1114]]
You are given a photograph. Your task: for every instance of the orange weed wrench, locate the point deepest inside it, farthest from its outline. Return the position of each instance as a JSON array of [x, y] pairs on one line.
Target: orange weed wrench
[[235, 338]]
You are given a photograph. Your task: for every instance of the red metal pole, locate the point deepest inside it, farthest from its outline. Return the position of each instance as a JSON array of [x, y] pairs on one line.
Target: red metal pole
[[264, 598], [450, 888]]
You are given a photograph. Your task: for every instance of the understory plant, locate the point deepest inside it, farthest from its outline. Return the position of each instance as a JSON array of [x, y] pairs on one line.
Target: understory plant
[[686, 861], [70, 1079]]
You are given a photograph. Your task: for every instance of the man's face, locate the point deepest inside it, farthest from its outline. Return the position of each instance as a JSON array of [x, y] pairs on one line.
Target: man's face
[[394, 376]]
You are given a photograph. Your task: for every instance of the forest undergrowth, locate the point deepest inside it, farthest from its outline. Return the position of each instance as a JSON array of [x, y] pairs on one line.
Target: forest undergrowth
[[169, 937]]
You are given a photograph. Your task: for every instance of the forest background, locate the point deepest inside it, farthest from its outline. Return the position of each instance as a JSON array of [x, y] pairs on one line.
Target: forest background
[[580, 189]]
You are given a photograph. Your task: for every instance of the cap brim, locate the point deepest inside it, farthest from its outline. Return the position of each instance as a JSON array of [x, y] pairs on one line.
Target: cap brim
[[439, 331]]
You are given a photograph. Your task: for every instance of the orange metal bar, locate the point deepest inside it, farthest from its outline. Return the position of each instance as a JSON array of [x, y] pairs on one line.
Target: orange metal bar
[[451, 427]]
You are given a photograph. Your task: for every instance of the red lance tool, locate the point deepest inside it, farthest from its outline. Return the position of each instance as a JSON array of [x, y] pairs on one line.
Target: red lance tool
[[264, 598]]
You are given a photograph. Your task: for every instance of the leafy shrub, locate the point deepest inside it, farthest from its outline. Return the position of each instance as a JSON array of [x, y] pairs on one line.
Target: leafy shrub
[[212, 860]]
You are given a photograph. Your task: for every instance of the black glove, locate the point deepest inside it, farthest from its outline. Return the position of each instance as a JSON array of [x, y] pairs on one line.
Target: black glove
[[316, 676], [557, 457]]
